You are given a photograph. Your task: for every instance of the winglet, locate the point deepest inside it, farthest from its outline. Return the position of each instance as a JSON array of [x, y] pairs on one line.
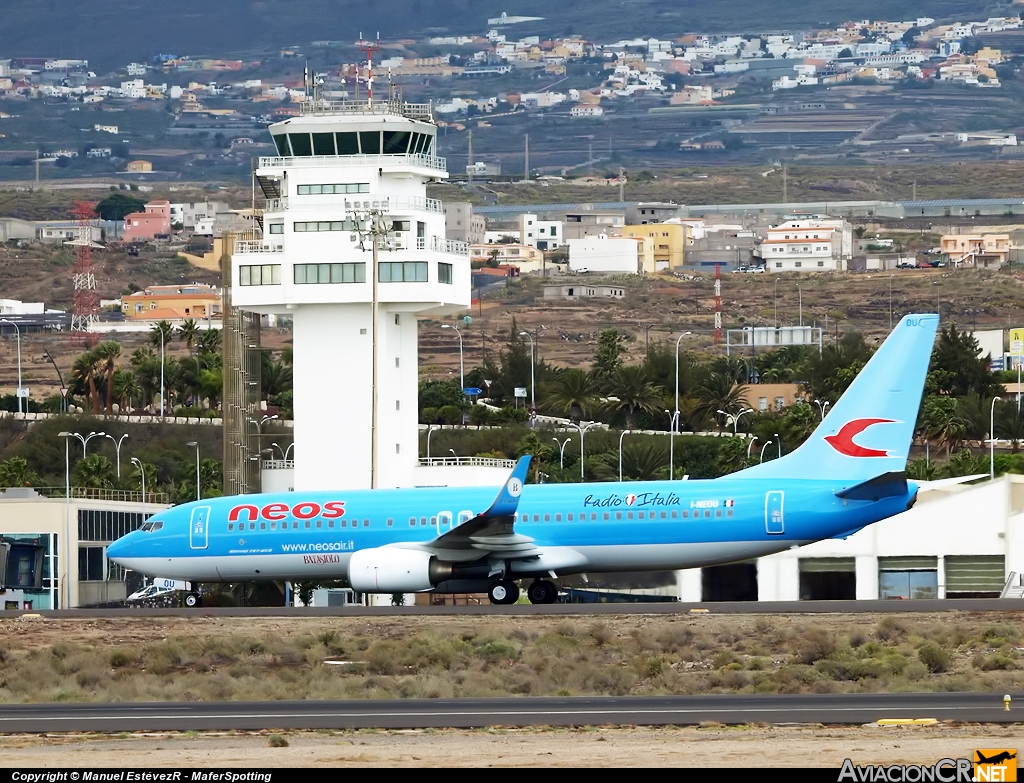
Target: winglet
[[507, 502]]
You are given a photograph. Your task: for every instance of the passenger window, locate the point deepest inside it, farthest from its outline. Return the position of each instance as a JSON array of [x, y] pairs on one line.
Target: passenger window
[[231, 526], [718, 512], [263, 525], [707, 515], [344, 522], [412, 521], [331, 523], [639, 514], [593, 517], [547, 517], [273, 525], [686, 515], [607, 516], [423, 520], [391, 522], [252, 525], [618, 515], [568, 517], [728, 513], [536, 517], [675, 515], [366, 523], [307, 525], [629, 515], [558, 517], [433, 521], [319, 523]]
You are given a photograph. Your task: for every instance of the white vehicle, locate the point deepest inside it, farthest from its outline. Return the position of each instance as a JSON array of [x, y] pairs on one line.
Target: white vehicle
[[158, 588]]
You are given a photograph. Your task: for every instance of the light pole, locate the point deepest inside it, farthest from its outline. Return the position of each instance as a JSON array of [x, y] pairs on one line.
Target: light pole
[[462, 370], [776, 303], [734, 418], [750, 445], [778, 442], [822, 407], [800, 295], [284, 452], [454, 455], [142, 474], [766, 445], [196, 444], [67, 516], [992, 439], [430, 431], [890, 301], [117, 450], [63, 388], [672, 424], [678, 339], [85, 440], [372, 224], [561, 451], [20, 390], [161, 371], [259, 428], [533, 385], [583, 428], [624, 434]]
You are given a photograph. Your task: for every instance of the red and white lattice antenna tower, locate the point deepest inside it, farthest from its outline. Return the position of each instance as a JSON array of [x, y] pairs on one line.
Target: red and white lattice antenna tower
[[718, 303], [85, 304], [369, 48]]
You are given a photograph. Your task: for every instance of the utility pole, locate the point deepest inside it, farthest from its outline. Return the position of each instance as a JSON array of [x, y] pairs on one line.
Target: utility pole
[[915, 190], [590, 157], [469, 164], [622, 186], [526, 164], [785, 187]]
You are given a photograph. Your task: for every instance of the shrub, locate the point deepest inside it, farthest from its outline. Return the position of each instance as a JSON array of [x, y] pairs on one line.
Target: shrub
[[815, 645], [998, 660], [119, 658], [601, 634], [277, 741], [934, 657]]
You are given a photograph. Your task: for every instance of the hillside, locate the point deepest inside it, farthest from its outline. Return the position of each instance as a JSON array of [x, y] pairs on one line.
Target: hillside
[[113, 34]]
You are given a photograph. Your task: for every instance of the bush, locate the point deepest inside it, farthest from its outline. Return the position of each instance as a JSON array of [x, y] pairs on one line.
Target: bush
[[815, 645], [934, 657], [277, 741]]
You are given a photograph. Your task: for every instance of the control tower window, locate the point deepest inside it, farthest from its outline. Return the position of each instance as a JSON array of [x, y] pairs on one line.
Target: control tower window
[[417, 143], [306, 274], [396, 142], [260, 274], [444, 273], [316, 190], [403, 272], [323, 144], [348, 143], [283, 148], [369, 142], [301, 145]]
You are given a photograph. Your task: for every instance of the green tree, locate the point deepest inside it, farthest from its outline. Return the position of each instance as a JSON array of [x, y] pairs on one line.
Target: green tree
[[188, 333], [957, 370], [83, 377], [574, 392], [732, 455], [15, 472], [720, 392], [608, 359], [161, 328], [939, 421], [117, 205], [634, 392], [641, 461], [94, 472], [106, 354]]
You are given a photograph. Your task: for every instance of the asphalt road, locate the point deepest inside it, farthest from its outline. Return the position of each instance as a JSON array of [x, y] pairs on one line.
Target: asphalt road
[[558, 610], [470, 713]]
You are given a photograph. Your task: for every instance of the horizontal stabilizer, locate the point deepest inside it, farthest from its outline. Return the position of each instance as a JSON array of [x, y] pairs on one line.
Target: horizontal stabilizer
[[885, 486]]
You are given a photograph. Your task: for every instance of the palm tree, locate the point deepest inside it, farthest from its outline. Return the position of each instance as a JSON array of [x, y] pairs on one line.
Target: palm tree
[[106, 353], [212, 384], [83, 375], [146, 365], [161, 328], [188, 333], [732, 455], [210, 340], [94, 471], [15, 472], [126, 389], [720, 392], [630, 384], [575, 392], [1010, 424], [939, 420], [643, 461]]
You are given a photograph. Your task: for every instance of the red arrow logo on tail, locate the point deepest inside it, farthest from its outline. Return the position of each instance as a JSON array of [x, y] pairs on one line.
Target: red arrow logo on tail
[[842, 441]]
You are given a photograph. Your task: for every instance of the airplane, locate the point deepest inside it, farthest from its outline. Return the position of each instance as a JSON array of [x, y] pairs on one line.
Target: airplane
[[850, 473], [999, 758]]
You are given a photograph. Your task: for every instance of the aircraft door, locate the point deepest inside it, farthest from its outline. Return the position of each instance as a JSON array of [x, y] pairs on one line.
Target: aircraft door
[[773, 518], [199, 533], [444, 522]]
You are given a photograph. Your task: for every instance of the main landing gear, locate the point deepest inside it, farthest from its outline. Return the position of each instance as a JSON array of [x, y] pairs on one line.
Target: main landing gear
[[193, 599], [504, 591], [542, 592]]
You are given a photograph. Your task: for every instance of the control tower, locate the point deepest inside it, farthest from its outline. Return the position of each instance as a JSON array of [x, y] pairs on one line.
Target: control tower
[[348, 187]]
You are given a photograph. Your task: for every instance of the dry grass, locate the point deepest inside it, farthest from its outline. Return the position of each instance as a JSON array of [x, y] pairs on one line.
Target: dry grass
[[204, 659]]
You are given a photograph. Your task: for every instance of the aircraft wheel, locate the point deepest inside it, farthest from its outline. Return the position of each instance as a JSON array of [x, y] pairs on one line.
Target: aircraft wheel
[[542, 592], [503, 592], [192, 600]]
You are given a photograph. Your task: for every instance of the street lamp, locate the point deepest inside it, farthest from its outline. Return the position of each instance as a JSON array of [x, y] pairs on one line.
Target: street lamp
[[766, 445], [196, 444], [776, 303], [734, 418], [992, 439], [624, 434], [284, 452], [67, 515], [430, 431], [142, 474], [561, 451], [454, 455], [20, 389], [583, 428], [462, 370], [533, 386], [778, 442], [800, 294], [85, 440], [890, 301], [750, 445], [673, 422], [678, 339], [161, 370], [117, 450], [63, 388], [822, 407]]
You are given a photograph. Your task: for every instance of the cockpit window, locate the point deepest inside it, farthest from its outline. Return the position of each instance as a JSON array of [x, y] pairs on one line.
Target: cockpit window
[[150, 527]]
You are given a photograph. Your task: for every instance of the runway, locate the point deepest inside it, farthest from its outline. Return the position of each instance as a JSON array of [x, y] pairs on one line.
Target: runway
[[557, 610], [511, 712]]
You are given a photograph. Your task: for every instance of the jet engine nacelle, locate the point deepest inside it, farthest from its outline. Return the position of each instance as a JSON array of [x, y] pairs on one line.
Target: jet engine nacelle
[[393, 570]]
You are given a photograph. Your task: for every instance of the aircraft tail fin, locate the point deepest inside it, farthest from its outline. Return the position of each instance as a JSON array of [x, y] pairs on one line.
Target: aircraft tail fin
[[868, 431]]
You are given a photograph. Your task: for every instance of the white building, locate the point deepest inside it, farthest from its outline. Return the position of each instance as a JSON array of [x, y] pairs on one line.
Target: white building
[[17, 307], [962, 541], [541, 234], [313, 263], [808, 244], [605, 254]]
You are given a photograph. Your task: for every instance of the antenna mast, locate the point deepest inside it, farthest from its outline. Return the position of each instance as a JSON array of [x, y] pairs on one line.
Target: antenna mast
[[85, 303], [369, 48]]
